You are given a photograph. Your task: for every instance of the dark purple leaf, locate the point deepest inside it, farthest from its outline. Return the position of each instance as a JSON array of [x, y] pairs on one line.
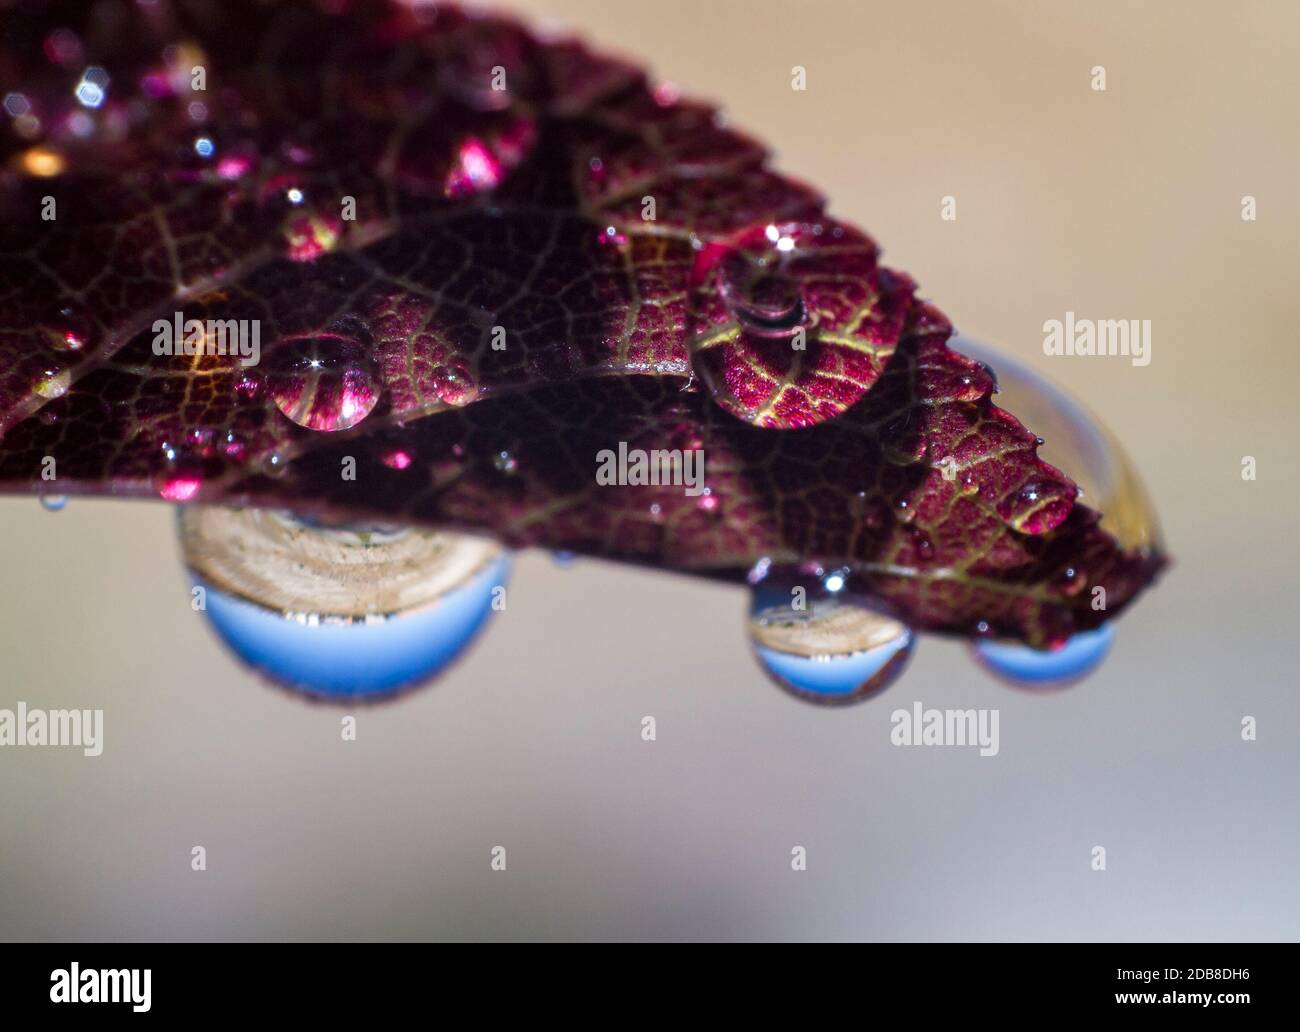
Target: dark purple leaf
[[742, 319]]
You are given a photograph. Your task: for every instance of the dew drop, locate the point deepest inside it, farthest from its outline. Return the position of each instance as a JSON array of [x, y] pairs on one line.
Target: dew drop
[[274, 465], [249, 385], [1079, 656], [1077, 443], [765, 303], [822, 642], [611, 237], [181, 477], [475, 169], [340, 613], [53, 503], [53, 381], [504, 462], [1073, 580], [396, 458], [325, 382], [69, 328]]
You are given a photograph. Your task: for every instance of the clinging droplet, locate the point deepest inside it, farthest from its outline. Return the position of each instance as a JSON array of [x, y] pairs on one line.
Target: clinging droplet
[[1079, 656], [327, 381], [820, 640]]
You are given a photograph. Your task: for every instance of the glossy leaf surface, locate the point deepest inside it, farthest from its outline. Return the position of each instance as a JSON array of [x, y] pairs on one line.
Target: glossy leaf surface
[[439, 224]]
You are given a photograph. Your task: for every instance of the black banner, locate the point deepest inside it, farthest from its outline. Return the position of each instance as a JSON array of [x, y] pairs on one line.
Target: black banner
[[150, 982]]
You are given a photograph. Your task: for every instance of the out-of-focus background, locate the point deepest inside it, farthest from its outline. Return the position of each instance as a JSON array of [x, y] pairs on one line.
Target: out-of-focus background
[[1117, 204]]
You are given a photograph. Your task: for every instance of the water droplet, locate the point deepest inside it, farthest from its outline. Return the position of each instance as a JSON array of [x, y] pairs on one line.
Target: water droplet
[[53, 381], [249, 385], [821, 641], [325, 382], [310, 234], [340, 613], [1073, 580], [765, 303], [611, 237], [475, 169], [182, 476], [396, 458], [1077, 443], [1047, 668], [53, 503], [504, 462], [232, 446], [564, 559], [69, 328]]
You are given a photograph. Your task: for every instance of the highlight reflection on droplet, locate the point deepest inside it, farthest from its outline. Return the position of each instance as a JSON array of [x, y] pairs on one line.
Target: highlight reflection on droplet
[[1047, 668], [820, 642], [340, 613]]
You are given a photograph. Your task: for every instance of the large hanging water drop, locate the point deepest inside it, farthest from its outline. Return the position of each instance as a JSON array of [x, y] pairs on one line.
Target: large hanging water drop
[[1047, 668], [1077, 443], [340, 613], [327, 381], [821, 642]]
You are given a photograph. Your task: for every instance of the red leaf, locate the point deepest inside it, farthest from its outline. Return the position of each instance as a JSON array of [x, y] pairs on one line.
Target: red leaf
[[499, 186]]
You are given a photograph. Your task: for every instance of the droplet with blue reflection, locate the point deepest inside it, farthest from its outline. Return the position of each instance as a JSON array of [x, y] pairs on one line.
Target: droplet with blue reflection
[[392, 609], [821, 642], [1081, 654]]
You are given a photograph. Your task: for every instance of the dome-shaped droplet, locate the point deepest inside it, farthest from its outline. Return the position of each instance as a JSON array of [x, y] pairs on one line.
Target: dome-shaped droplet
[[52, 381], [757, 339], [327, 381], [766, 303], [69, 328], [1076, 443], [183, 472], [1047, 668], [504, 462], [53, 502], [336, 612], [820, 641]]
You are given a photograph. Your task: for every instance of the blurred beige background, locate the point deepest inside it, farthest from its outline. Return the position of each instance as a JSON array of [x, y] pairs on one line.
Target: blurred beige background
[[1123, 204]]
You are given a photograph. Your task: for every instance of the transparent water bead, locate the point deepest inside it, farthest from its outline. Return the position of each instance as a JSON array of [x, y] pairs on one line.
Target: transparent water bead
[[325, 382], [820, 642], [340, 612], [1047, 668], [1075, 442]]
